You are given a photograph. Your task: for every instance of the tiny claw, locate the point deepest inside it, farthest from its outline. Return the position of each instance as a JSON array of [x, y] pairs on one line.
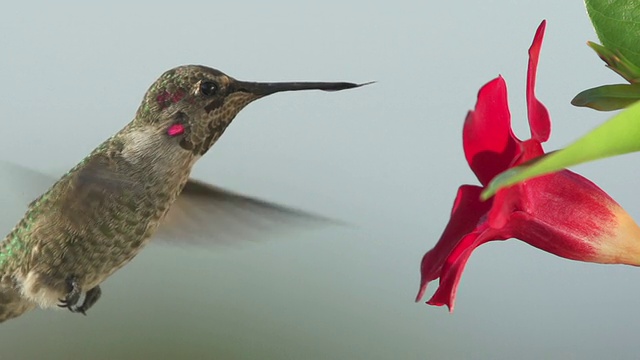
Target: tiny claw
[[73, 295], [80, 310]]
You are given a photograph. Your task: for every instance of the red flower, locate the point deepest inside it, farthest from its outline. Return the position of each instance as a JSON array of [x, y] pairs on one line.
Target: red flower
[[562, 213]]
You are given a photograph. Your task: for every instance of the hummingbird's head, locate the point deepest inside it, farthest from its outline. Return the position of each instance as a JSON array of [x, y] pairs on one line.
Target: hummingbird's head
[[194, 104]]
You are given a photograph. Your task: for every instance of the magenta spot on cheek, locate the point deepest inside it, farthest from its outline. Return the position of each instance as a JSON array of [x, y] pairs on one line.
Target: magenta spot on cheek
[[175, 130]]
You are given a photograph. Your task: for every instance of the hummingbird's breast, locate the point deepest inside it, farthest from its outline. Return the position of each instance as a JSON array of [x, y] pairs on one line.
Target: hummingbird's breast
[[98, 216]]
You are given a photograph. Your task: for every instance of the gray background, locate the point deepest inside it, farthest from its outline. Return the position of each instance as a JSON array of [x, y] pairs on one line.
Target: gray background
[[386, 158]]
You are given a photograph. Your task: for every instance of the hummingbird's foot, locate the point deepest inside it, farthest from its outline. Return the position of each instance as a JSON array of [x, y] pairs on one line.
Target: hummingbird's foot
[[73, 294]]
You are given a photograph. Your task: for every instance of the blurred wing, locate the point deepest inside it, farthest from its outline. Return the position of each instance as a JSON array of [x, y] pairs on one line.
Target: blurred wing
[[19, 186], [209, 215], [203, 214]]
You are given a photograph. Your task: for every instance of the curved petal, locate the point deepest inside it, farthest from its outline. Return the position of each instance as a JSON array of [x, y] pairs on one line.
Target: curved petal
[[465, 217], [489, 143], [452, 271], [538, 114]]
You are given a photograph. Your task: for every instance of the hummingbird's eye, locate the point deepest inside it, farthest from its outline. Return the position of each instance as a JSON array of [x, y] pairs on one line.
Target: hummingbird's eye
[[208, 88]]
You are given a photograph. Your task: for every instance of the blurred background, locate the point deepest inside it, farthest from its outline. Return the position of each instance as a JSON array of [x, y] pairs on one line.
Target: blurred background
[[386, 158]]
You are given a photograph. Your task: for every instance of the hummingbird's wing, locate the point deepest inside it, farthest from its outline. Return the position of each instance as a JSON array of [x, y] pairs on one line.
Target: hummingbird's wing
[[19, 186], [203, 214], [208, 214]]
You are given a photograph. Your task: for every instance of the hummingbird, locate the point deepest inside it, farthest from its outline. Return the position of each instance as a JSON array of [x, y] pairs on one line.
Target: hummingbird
[[101, 213]]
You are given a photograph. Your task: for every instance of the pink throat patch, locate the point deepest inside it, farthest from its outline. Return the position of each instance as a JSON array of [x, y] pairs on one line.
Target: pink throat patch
[[175, 130]]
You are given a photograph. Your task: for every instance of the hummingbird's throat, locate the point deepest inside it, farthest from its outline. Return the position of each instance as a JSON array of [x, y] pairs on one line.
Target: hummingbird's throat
[[175, 130]]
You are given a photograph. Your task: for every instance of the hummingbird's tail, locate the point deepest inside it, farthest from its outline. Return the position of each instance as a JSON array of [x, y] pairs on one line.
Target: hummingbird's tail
[[12, 304]]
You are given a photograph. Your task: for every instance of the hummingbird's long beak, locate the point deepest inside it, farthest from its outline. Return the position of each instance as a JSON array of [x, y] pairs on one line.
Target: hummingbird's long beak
[[265, 88]]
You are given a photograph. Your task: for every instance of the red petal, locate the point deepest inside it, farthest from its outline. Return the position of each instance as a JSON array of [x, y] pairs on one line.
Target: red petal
[[452, 270], [489, 143], [530, 149], [465, 216], [538, 115]]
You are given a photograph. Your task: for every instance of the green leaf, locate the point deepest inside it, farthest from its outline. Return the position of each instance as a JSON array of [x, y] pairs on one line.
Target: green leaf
[[608, 97], [617, 62], [617, 23], [620, 135]]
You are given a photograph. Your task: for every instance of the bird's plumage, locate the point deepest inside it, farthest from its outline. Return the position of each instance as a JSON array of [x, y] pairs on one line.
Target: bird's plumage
[[101, 213]]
